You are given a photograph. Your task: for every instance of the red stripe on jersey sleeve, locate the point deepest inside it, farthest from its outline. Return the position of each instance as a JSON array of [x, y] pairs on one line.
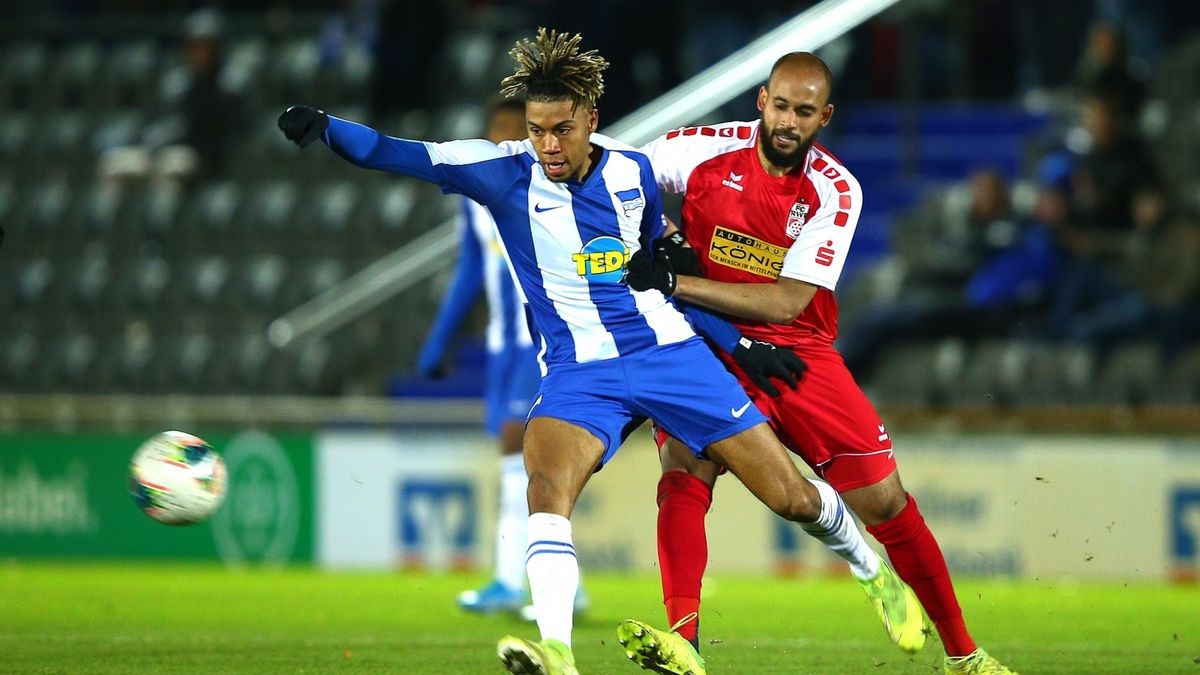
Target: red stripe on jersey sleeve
[[819, 164], [672, 134], [743, 133], [844, 201], [708, 131], [842, 186], [841, 219]]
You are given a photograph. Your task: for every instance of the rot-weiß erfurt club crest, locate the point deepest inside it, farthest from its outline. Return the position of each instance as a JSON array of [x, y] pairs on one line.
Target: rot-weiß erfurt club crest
[[796, 218]]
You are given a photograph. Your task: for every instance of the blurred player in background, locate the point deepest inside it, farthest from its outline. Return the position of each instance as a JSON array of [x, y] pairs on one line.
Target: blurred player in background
[[512, 369], [570, 213], [768, 217]]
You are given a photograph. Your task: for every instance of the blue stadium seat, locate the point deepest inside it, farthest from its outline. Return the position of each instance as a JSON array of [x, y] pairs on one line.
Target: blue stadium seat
[[23, 73]]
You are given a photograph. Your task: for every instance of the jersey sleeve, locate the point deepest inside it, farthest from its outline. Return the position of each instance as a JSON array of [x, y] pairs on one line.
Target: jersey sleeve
[[677, 153], [653, 225], [478, 169], [819, 253], [718, 331]]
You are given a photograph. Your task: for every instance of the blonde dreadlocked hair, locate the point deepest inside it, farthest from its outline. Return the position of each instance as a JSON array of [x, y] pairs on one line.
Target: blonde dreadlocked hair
[[552, 68]]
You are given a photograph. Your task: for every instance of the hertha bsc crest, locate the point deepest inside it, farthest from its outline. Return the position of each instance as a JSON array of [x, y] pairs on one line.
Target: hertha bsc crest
[[796, 219]]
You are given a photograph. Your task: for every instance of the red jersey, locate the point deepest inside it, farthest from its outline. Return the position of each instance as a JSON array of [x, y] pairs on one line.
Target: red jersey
[[750, 227]]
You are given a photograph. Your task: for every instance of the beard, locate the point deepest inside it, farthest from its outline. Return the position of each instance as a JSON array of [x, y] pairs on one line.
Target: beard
[[787, 160]]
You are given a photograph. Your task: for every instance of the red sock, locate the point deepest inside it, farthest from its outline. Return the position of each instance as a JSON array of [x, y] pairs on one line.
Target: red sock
[[918, 561], [683, 501]]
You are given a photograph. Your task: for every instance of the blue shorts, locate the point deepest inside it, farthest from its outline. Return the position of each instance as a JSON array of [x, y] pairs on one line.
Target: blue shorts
[[513, 375], [682, 387]]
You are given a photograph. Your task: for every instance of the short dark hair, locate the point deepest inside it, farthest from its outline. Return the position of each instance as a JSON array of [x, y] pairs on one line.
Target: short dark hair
[[804, 58], [553, 69]]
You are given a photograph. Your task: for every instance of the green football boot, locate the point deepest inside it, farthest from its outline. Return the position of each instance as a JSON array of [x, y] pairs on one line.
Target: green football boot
[[658, 650], [977, 662], [548, 657], [898, 609]]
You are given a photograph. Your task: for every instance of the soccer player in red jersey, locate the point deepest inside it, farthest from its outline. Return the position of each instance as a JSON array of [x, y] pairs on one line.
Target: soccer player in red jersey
[[768, 215]]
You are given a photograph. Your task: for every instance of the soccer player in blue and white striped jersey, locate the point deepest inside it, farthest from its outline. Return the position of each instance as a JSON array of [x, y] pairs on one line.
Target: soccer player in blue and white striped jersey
[[570, 213]]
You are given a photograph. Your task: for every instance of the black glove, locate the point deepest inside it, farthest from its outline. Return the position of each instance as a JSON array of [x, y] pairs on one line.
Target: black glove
[[683, 258], [303, 125], [763, 360], [645, 271]]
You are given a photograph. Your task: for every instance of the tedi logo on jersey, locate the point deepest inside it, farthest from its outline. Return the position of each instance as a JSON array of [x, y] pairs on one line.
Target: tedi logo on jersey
[[602, 259], [796, 218]]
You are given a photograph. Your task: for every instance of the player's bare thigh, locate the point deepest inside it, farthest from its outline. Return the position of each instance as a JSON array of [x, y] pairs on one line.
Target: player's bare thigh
[[675, 456], [758, 459], [559, 458]]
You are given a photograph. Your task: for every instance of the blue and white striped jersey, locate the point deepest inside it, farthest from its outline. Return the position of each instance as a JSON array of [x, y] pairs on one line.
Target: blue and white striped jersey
[[482, 267], [568, 242], [505, 301]]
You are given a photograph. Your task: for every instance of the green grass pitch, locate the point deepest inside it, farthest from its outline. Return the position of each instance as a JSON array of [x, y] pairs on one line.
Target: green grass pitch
[[66, 618]]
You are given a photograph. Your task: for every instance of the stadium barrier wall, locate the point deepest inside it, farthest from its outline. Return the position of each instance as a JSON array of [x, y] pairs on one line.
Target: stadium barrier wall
[[1019, 505], [66, 496], [1003, 505]]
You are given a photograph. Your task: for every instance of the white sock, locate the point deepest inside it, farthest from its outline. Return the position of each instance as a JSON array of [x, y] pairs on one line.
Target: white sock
[[838, 531], [553, 575], [511, 540]]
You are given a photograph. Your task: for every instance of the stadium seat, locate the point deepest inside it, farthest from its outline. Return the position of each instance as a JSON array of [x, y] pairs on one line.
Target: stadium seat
[[16, 132], [22, 75], [151, 278], [74, 81], [47, 207], [159, 208], [20, 349], [271, 207], [91, 275], [995, 372], [904, 375], [262, 278], [35, 282], [208, 278], [1057, 373], [130, 74], [100, 209], [1129, 375], [1180, 384], [75, 358]]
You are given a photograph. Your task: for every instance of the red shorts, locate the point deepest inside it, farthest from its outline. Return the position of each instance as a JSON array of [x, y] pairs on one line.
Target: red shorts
[[827, 421]]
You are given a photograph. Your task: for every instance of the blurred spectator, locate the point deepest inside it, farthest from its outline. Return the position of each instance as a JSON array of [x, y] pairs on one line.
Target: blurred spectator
[[1118, 187], [1160, 301], [202, 118], [974, 269], [1121, 205], [1104, 70]]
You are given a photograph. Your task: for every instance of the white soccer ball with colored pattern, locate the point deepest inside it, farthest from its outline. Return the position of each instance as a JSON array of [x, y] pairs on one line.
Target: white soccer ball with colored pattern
[[177, 478]]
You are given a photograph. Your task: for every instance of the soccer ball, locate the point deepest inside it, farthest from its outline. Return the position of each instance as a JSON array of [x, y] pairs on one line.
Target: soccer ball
[[177, 478]]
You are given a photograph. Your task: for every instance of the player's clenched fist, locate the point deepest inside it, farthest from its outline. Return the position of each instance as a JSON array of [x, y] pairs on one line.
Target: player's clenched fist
[[303, 125], [645, 271]]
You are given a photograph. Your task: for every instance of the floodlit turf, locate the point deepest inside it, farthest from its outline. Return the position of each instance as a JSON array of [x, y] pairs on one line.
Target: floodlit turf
[[178, 619]]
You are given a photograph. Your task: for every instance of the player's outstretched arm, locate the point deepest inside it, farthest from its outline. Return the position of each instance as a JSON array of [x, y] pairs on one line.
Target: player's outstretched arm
[[760, 360], [357, 143]]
